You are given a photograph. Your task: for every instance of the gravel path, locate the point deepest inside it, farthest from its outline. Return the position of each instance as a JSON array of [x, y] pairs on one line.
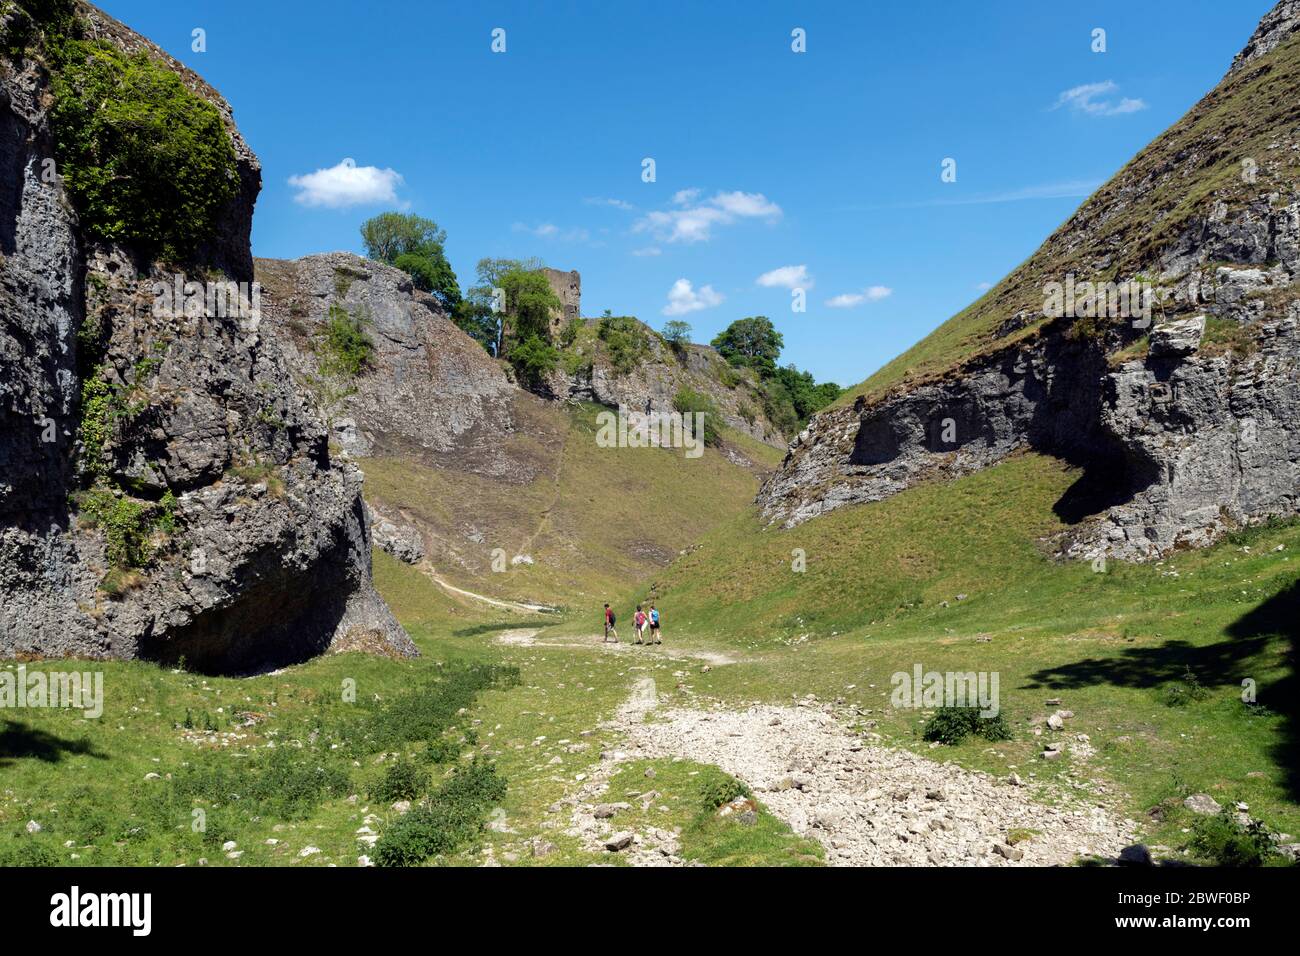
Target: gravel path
[[868, 805]]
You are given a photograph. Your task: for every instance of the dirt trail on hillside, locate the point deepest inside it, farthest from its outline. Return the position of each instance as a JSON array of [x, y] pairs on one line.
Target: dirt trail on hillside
[[521, 606], [527, 637], [867, 805]]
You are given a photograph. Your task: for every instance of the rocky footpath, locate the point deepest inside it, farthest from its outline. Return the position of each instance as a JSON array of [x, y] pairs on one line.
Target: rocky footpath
[[1184, 420], [867, 805], [256, 552]]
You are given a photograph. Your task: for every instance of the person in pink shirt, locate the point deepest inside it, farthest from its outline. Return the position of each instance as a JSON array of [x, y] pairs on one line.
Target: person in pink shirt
[[640, 622]]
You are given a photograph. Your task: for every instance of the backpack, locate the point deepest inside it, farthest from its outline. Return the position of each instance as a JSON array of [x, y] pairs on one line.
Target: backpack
[[654, 616], [612, 617]]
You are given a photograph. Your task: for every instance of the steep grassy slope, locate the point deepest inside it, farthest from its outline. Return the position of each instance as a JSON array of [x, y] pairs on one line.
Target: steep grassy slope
[[1120, 232], [594, 521]]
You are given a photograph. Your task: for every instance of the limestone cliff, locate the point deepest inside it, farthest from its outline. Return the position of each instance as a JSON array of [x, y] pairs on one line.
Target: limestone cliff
[[1184, 415], [165, 491]]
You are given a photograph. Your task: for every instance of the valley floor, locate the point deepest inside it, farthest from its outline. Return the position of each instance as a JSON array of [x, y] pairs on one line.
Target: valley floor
[[750, 736]]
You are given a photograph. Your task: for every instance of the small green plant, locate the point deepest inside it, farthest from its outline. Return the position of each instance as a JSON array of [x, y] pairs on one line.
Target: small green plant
[[403, 780], [718, 788], [952, 725], [451, 818], [348, 349], [1187, 691], [1221, 841]]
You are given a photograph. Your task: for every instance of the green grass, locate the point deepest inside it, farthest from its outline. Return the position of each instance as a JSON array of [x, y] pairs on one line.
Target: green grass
[[1114, 646], [593, 520]]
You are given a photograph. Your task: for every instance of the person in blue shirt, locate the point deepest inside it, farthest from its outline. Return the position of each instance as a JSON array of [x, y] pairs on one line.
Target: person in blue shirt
[[655, 634]]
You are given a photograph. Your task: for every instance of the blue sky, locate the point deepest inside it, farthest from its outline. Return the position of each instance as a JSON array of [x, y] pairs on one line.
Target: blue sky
[[765, 159]]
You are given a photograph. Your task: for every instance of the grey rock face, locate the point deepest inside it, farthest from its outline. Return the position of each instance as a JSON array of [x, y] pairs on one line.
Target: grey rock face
[[429, 393], [1196, 438], [269, 562], [1278, 24], [1038, 396], [1177, 339], [396, 537], [654, 384]]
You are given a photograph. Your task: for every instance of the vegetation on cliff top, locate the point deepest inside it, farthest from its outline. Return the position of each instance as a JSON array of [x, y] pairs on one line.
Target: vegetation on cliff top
[[145, 160]]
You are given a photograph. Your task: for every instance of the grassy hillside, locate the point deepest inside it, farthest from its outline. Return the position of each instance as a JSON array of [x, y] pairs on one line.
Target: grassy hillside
[[1118, 232], [284, 769], [595, 520], [955, 577]]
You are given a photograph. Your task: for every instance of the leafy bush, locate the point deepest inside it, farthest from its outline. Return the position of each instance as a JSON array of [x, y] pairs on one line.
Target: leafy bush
[[534, 358], [452, 817], [348, 349], [626, 339], [403, 780], [688, 401], [1221, 841], [27, 850], [442, 750], [144, 159], [718, 788], [952, 725]]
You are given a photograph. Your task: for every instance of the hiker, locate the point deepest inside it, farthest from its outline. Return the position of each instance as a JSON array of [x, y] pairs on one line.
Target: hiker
[[609, 624], [639, 622], [654, 626]]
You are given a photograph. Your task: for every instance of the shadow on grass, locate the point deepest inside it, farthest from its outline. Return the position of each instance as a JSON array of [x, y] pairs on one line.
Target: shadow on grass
[[1225, 662], [478, 629], [19, 741]]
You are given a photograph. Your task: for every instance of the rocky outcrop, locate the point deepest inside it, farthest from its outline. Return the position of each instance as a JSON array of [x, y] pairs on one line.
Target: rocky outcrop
[[658, 376], [255, 551], [428, 392], [1278, 24], [1185, 420]]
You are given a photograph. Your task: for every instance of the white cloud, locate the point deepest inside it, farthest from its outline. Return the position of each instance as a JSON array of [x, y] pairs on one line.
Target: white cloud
[[787, 277], [616, 203], [694, 221], [549, 230], [848, 300], [648, 251], [346, 184], [984, 286], [1094, 99], [682, 298]]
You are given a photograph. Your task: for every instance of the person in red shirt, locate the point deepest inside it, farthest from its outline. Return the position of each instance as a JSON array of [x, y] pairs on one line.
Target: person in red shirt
[[609, 624]]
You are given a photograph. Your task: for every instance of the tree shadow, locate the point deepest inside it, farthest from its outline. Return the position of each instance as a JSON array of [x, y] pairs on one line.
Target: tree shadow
[[1227, 662], [19, 740]]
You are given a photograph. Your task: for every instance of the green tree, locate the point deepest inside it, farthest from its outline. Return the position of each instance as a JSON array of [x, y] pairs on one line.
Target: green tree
[[476, 315], [530, 302], [677, 333], [752, 341], [416, 246]]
